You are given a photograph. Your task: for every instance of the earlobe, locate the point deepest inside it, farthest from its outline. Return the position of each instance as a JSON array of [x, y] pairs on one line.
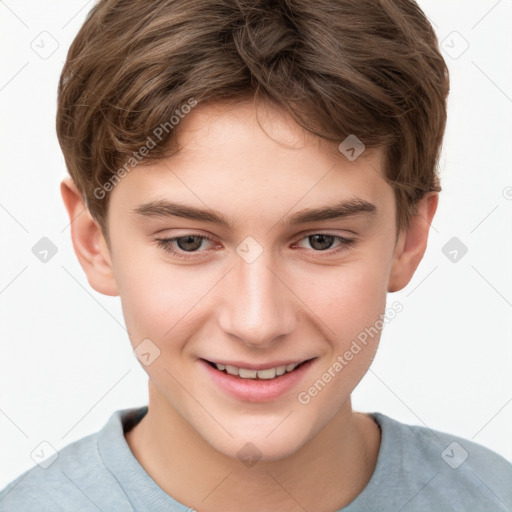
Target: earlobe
[[412, 243], [88, 241]]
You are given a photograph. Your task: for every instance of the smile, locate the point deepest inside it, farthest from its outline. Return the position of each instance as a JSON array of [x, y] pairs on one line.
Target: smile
[[261, 382], [263, 374]]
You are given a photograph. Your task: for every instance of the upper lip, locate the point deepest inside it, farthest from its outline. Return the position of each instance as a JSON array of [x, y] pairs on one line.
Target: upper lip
[[260, 366]]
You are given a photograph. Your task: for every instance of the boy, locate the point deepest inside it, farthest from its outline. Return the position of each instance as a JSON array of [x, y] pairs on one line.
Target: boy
[[256, 176]]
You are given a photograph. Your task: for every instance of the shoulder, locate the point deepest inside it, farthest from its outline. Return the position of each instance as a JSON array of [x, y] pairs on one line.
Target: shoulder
[[76, 479], [428, 467]]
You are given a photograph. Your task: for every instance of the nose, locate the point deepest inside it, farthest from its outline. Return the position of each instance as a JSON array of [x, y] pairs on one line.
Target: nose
[[258, 307]]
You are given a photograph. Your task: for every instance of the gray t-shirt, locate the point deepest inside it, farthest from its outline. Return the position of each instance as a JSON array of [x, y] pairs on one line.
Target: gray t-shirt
[[417, 470]]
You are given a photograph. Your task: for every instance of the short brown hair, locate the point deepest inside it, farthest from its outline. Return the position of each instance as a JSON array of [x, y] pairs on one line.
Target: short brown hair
[[366, 67]]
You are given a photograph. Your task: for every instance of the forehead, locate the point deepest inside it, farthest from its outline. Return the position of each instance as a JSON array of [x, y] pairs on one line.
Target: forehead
[[243, 158]]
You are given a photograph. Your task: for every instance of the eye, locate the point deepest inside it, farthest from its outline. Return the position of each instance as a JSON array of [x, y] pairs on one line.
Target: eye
[[322, 242], [189, 243]]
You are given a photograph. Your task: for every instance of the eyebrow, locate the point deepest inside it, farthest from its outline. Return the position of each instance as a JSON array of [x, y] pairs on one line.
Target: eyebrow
[[347, 208]]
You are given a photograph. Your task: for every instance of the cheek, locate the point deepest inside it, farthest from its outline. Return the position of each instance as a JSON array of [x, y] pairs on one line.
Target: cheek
[[349, 297], [157, 298], [351, 302]]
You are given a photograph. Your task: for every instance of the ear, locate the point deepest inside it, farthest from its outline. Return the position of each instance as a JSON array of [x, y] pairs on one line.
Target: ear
[[412, 243], [90, 246]]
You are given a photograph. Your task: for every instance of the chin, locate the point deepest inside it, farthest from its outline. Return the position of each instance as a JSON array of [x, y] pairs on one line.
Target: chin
[[263, 443]]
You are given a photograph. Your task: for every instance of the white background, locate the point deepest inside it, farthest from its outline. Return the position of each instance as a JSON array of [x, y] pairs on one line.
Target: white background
[[445, 361]]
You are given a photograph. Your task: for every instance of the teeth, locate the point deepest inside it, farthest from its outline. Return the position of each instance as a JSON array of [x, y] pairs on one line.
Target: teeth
[[245, 373], [280, 370], [267, 374], [232, 370]]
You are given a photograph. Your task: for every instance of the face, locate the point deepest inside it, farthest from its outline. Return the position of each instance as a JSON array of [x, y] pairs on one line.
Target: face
[[270, 287]]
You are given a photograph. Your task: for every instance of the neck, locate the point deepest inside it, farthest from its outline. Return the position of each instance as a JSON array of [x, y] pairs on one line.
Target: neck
[[325, 474]]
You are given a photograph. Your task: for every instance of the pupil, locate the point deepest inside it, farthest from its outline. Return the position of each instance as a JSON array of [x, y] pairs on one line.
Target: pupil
[[185, 243], [323, 244]]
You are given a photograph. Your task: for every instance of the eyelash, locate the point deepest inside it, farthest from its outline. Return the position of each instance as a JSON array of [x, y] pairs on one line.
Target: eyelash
[[166, 244]]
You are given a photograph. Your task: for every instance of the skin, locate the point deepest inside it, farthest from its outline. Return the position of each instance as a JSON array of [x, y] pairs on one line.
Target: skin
[[293, 302]]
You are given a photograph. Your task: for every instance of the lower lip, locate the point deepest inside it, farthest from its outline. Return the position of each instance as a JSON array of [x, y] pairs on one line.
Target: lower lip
[[256, 390]]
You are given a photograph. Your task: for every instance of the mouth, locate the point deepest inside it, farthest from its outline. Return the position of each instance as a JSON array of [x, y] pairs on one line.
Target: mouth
[[270, 372], [257, 383]]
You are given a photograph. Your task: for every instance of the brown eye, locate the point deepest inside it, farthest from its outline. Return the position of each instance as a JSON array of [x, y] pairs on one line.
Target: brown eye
[[321, 242], [189, 242], [181, 245]]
